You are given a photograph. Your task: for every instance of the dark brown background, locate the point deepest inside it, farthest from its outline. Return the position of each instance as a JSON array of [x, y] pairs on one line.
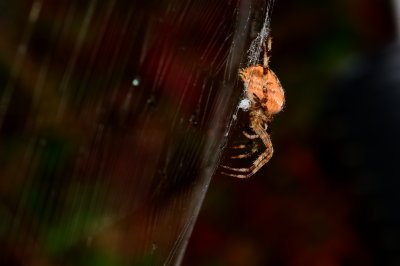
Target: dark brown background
[[97, 171]]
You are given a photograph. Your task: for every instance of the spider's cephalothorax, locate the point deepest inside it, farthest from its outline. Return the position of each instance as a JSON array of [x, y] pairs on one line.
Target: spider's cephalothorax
[[266, 96]]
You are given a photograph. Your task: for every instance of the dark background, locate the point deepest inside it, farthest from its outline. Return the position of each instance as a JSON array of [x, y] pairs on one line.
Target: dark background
[[96, 169], [329, 196]]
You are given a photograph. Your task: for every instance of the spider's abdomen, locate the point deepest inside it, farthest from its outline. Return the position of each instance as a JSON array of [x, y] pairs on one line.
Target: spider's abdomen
[[266, 87]]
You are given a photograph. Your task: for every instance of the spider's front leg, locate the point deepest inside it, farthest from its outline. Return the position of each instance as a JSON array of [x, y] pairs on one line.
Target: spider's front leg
[[267, 54]]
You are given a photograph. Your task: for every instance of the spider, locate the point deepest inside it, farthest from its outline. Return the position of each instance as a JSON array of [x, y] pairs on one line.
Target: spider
[[264, 97]]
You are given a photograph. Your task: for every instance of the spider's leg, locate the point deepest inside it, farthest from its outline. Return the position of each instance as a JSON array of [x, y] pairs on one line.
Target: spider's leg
[[261, 160], [238, 147], [235, 175], [264, 136], [249, 171], [250, 136], [244, 169], [257, 164], [267, 54], [245, 155], [241, 156]]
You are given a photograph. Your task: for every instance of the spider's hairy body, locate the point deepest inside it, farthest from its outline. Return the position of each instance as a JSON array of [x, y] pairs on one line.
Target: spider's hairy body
[[265, 87], [267, 98]]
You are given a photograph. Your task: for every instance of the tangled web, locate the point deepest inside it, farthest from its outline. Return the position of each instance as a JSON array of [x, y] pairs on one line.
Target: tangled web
[[256, 46]]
